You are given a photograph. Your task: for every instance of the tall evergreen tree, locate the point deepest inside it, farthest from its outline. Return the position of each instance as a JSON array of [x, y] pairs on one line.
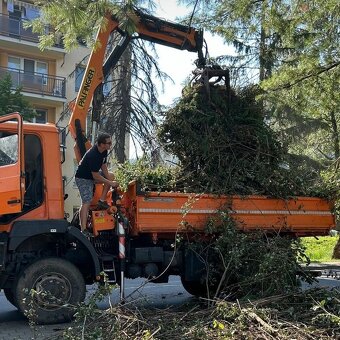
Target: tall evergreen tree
[[133, 97], [306, 84], [294, 48]]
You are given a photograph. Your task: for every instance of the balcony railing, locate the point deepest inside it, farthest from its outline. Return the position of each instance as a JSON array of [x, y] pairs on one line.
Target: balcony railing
[[38, 83], [12, 27]]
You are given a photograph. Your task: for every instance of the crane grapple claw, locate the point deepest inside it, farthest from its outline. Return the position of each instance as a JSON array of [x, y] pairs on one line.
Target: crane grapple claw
[[211, 76]]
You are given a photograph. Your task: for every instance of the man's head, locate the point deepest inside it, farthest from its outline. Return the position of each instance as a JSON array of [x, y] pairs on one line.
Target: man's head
[[104, 141]]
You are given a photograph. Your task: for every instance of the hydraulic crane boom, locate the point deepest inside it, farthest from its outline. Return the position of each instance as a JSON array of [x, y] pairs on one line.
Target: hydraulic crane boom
[[148, 28]]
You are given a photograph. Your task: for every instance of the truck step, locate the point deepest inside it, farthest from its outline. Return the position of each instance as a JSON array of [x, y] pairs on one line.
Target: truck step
[[108, 267], [111, 281]]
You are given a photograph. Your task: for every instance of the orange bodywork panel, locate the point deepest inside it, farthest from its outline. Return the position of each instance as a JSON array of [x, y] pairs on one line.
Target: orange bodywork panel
[[10, 193], [167, 212], [102, 220]]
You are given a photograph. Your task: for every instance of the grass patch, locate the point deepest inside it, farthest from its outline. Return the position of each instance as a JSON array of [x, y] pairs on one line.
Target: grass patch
[[321, 249]]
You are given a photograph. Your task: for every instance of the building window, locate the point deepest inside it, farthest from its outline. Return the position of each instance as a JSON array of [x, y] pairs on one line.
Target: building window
[[27, 65], [27, 11], [79, 74], [32, 13], [41, 116], [41, 68], [15, 11], [14, 63], [27, 72], [62, 136]]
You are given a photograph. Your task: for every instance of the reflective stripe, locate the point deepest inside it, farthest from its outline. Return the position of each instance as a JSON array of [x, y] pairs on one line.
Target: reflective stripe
[[181, 211], [245, 212], [122, 247]]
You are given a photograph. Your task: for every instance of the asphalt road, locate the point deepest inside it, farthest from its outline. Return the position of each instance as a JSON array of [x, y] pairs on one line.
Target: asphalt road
[[13, 326]]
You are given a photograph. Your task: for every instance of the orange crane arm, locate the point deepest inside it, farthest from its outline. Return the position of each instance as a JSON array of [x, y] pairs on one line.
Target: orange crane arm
[[148, 28]]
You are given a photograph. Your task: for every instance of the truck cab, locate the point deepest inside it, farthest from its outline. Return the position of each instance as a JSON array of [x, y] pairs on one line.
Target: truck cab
[[29, 172], [35, 238]]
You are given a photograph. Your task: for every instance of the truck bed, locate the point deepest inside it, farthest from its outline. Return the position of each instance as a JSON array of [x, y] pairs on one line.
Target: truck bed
[[165, 212]]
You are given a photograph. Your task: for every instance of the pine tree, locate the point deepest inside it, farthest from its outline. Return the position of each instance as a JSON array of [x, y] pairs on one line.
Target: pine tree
[[129, 105]]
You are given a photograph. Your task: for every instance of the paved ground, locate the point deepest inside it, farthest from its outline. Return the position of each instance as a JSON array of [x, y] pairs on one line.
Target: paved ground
[[13, 326]]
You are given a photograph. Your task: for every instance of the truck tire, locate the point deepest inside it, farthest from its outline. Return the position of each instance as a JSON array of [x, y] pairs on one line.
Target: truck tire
[[48, 291], [10, 296], [199, 289], [195, 288]]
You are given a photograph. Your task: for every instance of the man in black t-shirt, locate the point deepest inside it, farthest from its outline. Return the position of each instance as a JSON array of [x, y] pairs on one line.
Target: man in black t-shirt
[[88, 174]]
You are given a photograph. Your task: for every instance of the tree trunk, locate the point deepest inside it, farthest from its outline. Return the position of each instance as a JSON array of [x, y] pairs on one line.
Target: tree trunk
[[118, 107], [336, 251], [336, 145], [262, 54], [122, 122]]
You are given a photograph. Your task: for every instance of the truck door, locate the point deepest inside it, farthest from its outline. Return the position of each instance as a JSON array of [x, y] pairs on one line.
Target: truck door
[[12, 180]]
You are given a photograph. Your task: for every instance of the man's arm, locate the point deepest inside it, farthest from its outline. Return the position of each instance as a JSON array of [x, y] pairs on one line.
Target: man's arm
[[105, 171], [100, 179]]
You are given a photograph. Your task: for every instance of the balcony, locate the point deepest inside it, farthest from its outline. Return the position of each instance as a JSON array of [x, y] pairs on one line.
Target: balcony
[[13, 28], [37, 83]]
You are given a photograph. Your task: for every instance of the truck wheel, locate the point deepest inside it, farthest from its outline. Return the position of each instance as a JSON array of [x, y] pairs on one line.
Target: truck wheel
[[10, 296], [48, 291], [195, 288]]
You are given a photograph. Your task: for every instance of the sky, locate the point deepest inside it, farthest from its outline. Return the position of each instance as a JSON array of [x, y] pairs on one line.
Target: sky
[[176, 63]]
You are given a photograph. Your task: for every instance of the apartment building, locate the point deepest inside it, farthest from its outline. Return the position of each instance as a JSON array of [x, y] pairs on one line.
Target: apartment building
[[44, 77]]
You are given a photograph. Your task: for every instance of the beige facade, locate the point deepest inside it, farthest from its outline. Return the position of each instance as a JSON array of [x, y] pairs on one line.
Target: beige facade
[[44, 77]]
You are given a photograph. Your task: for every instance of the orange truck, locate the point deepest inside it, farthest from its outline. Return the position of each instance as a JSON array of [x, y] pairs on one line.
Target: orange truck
[[41, 251]]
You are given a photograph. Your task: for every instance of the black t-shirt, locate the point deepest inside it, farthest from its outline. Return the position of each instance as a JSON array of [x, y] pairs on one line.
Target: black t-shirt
[[91, 162]]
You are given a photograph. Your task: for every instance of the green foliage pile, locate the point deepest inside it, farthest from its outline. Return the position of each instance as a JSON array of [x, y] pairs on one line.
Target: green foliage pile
[[249, 265], [297, 58], [12, 100], [149, 177], [225, 146]]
